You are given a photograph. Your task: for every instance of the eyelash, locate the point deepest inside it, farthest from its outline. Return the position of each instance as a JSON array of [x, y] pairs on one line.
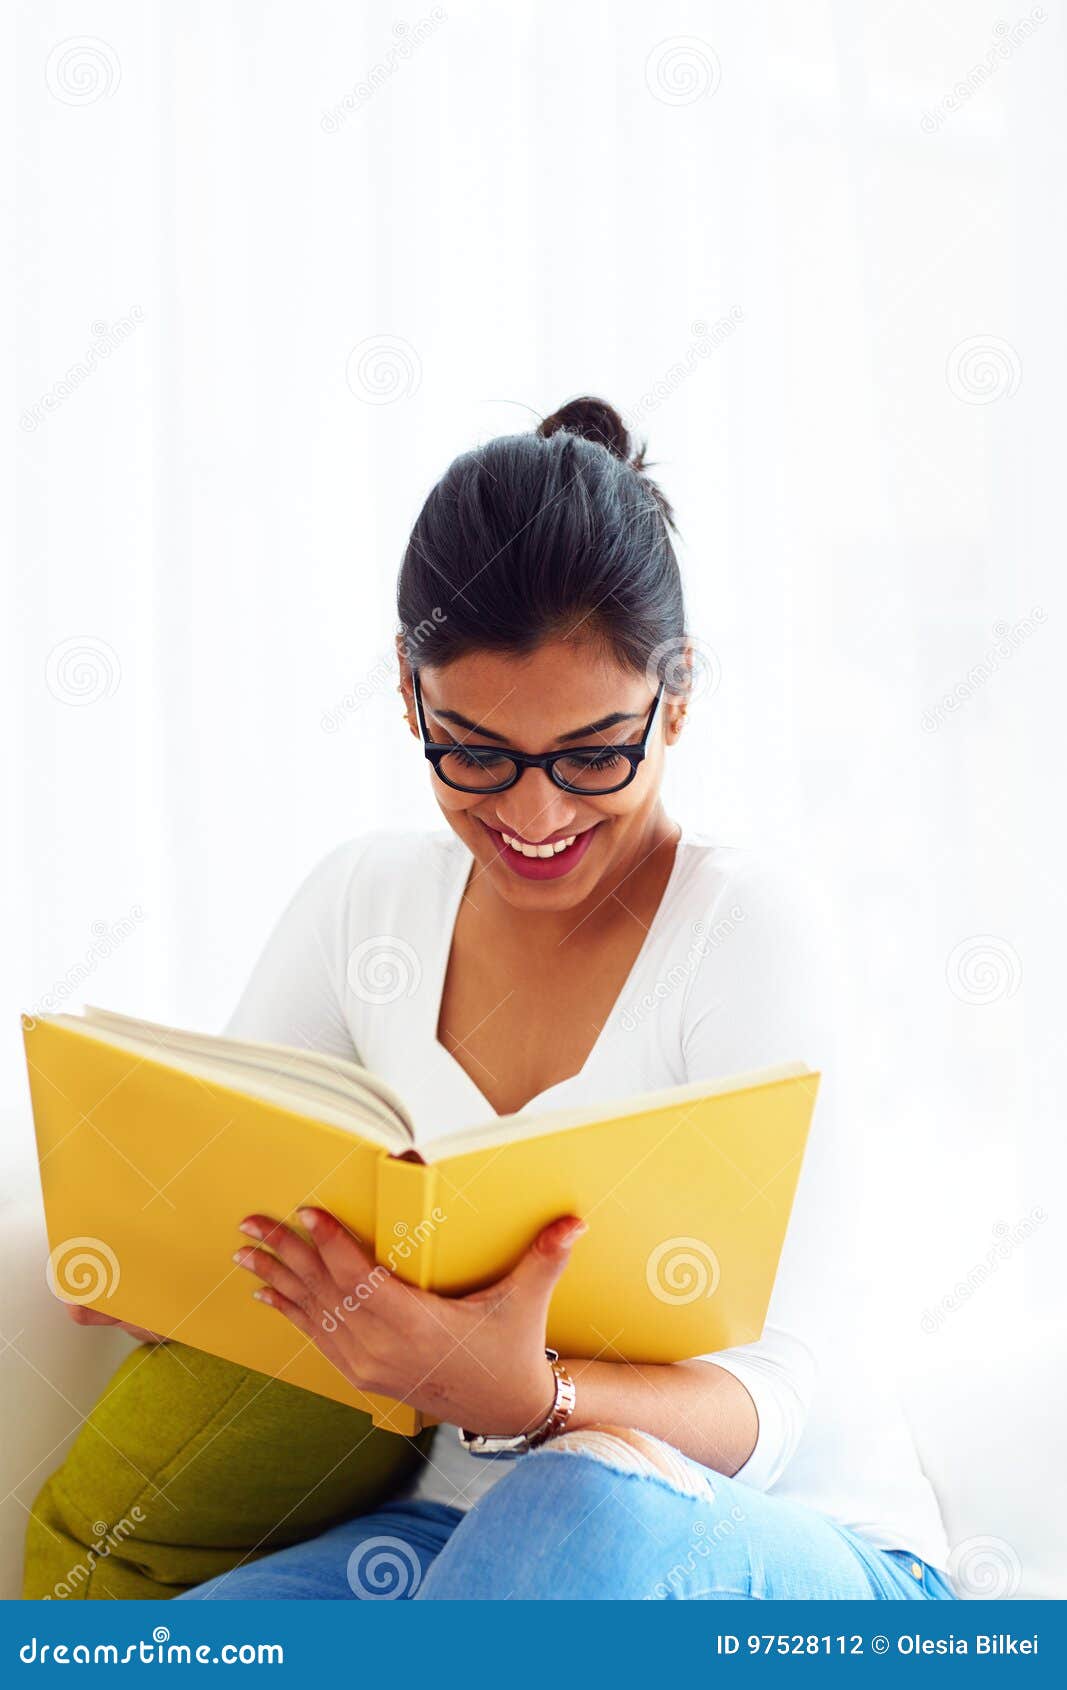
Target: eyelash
[[601, 759], [468, 761]]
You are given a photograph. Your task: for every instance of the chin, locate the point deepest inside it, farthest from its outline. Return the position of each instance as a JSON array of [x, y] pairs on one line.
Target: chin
[[563, 894]]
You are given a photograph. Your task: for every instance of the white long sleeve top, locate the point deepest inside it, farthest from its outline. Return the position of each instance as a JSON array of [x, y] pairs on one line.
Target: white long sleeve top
[[726, 981]]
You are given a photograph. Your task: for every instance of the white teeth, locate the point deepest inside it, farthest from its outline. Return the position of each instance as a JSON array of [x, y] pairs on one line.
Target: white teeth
[[552, 850]]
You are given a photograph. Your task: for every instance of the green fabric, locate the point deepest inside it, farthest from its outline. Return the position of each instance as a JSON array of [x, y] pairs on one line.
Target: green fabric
[[188, 1466]]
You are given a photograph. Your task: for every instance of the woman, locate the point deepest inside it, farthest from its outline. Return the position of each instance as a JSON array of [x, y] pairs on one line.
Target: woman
[[552, 949]]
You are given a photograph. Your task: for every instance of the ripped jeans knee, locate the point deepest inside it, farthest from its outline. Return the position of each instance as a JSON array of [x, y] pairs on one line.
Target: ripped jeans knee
[[624, 1450]]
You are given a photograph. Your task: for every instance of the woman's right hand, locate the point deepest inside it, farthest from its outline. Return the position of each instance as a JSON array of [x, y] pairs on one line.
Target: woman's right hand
[[82, 1316]]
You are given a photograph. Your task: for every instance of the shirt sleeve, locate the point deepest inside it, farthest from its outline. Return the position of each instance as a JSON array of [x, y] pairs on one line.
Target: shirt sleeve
[[295, 994], [761, 995]]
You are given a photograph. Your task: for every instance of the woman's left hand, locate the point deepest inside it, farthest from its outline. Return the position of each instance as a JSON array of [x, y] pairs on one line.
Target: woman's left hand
[[478, 1361]]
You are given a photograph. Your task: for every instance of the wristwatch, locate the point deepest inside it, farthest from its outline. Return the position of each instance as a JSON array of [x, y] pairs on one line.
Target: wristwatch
[[506, 1445]]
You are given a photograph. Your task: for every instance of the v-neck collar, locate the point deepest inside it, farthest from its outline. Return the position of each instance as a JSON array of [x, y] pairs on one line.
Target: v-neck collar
[[464, 862]]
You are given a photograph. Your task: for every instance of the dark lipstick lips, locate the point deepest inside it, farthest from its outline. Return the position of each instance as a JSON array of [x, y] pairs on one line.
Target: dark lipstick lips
[[542, 868]]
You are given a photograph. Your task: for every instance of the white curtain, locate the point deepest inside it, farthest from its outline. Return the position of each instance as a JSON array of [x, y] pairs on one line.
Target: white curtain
[[277, 264]]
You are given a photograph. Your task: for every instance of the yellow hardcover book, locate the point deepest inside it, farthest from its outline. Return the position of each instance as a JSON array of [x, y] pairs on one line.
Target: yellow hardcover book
[[153, 1144]]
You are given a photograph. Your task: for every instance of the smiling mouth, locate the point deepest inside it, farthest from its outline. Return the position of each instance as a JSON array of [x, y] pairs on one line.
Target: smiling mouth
[[548, 848], [541, 860]]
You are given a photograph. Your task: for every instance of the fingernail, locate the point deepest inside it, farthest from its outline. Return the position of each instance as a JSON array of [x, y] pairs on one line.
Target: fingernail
[[251, 1228], [242, 1257], [308, 1218], [261, 1296], [577, 1232]]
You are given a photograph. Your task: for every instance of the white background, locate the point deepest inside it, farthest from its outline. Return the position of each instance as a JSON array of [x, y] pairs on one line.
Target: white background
[[834, 303]]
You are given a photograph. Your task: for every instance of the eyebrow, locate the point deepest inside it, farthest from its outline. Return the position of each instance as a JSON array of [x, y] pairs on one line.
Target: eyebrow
[[605, 722]]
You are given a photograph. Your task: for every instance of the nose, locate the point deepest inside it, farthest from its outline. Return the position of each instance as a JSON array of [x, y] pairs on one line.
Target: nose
[[535, 808]]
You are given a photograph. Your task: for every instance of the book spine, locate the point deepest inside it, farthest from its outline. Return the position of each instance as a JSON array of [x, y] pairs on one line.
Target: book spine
[[406, 1219]]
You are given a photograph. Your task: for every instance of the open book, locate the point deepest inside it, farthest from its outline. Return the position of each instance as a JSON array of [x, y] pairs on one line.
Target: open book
[[154, 1143]]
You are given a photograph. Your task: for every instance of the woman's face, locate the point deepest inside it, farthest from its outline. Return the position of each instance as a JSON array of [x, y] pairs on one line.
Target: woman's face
[[566, 693]]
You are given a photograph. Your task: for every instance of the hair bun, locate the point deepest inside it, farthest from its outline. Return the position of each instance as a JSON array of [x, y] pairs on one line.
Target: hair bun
[[594, 419]]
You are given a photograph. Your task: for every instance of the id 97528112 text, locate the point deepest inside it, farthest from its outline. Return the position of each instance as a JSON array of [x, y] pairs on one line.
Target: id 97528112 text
[[810, 1643]]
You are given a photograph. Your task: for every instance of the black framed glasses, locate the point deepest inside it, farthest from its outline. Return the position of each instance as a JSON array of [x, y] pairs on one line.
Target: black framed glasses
[[588, 769]]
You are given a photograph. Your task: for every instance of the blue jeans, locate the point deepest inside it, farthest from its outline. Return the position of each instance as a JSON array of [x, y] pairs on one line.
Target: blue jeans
[[566, 1524]]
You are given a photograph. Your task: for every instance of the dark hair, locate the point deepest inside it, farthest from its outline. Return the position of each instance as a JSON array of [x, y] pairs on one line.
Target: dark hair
[[537, 536]]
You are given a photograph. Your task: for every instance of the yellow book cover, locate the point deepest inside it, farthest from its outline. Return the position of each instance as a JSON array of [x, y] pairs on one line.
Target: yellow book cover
[[154, 1143]]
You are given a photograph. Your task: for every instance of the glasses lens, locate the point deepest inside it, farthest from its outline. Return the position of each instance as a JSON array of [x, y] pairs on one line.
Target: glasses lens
[[477, 768], [593, 771]]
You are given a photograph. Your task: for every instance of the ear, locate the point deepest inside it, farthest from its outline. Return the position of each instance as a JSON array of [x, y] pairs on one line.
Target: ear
[[676, 700], [406, 689]]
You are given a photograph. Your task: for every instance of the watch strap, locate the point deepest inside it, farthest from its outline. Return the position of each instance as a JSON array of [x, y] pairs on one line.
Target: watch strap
[[511, 1444]]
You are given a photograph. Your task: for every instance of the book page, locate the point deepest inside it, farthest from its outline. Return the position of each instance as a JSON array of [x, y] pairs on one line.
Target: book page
[[321, 1087]]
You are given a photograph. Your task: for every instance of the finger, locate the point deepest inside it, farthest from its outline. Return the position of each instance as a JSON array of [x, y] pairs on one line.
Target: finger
[[82, 1316], [293, 1312], [351, 1267], [316, 1330], [299, 1256], [534, 1278], [274, 1271]]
